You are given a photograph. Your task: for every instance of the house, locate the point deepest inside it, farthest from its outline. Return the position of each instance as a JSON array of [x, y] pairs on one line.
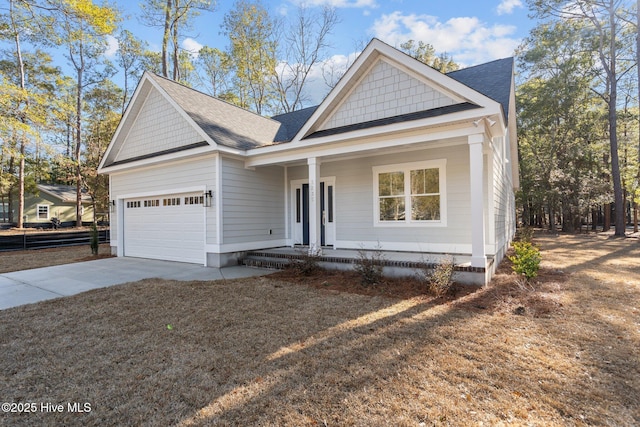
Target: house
[[398, 156], [55, 201]]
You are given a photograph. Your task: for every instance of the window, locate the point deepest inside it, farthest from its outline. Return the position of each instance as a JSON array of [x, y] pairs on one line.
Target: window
[[194, 200], [410, 193], [4, 212], [43, 212]]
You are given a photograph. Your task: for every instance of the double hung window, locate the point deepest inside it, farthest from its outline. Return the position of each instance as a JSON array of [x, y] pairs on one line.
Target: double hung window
[[410, 193]]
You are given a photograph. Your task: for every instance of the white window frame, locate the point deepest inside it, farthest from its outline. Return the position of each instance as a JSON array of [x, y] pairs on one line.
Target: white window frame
[[406, 168], [38, 212]]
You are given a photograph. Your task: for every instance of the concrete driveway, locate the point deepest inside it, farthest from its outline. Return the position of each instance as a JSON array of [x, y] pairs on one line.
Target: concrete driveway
[[29, 286]]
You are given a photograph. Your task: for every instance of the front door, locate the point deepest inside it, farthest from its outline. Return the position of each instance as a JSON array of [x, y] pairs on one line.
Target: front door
[[300, 192]]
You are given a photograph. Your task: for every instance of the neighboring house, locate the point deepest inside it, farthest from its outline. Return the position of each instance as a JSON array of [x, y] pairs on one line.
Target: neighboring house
[[55, 201], [397, 156]]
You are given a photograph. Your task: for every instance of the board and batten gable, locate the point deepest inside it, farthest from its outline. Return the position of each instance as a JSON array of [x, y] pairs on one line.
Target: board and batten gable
[[187, 175], [253, 212]]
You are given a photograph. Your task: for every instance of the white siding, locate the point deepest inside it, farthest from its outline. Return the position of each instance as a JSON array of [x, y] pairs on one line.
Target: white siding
[[167, 179], [355, 204], [504, 197], [158, 127], [386, 92], [253, 203]]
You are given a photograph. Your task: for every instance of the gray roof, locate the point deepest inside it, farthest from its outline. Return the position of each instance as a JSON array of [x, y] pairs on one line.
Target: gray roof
[[66, 193], [238, 128], [292, 122], [225, 123], [434, 112], [492, 79]]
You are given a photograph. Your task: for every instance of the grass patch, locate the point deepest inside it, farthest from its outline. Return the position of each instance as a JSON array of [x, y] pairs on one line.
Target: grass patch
[[37, 258], [283, 351]]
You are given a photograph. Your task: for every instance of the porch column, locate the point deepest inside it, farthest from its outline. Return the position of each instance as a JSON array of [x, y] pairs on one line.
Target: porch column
[[315, 246], [478, 257]]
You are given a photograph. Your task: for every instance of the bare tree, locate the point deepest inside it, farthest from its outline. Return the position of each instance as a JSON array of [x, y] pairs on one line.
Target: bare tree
[[172, 16], [306, 41]]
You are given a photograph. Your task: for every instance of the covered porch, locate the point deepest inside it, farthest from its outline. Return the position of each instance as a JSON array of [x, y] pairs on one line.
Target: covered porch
[[394, 263]]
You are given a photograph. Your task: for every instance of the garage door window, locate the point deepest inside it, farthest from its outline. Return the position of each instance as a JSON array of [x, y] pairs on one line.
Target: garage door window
[[194, 200], [173, 201]]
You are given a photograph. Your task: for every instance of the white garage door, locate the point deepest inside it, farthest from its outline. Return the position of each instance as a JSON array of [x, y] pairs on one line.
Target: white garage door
[[169, 227]]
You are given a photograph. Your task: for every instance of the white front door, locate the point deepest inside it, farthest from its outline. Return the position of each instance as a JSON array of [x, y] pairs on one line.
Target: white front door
[[300, 214]]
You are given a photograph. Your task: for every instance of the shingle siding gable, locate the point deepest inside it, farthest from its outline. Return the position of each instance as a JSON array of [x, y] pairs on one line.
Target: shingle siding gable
[[386, 92], [159, 127]]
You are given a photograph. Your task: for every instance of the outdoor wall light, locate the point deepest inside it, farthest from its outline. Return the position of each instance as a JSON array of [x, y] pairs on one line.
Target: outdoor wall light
[[112, 205], [208, 197]]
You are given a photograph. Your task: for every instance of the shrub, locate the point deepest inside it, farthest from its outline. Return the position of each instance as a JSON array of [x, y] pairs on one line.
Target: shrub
[[94, 239], [525, 234], [371, 267], [526, 260], [438, 276], [305, 264], [442, 276]]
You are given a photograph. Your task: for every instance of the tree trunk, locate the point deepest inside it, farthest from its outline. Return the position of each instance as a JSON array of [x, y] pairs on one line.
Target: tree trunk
[[635, 203], [613, 125], [165, 38], [23, 119], [21, 188], [176, 50], [606, 223], [78, 142]]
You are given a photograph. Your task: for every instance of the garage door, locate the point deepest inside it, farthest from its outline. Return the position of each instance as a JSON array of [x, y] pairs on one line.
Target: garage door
[[169, 227]]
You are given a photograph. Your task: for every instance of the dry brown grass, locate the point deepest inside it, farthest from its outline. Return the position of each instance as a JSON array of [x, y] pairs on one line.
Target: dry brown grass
[[269, 351], [25, 260]]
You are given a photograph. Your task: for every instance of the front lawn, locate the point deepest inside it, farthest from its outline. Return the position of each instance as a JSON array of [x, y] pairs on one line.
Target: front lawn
[[271, 351], [37, 258]]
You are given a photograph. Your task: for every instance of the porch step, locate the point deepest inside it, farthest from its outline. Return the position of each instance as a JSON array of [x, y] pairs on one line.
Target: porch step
[[397, 264], [260, 260]]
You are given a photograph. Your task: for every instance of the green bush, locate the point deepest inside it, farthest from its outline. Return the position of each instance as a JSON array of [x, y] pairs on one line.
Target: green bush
[[526, 260], [94, 239], [524, 234]]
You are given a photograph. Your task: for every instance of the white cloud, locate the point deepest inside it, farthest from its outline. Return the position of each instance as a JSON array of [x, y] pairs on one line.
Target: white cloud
[[112, 47], [323, 73], [191, 46], [467, 39], [338, 3], [506, 6]]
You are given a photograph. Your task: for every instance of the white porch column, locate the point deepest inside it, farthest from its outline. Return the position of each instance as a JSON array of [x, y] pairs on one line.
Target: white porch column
[[315, 245], [478, 257]]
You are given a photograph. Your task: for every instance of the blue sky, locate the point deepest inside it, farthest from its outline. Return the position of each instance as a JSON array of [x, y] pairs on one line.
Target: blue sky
[[472, 31]]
